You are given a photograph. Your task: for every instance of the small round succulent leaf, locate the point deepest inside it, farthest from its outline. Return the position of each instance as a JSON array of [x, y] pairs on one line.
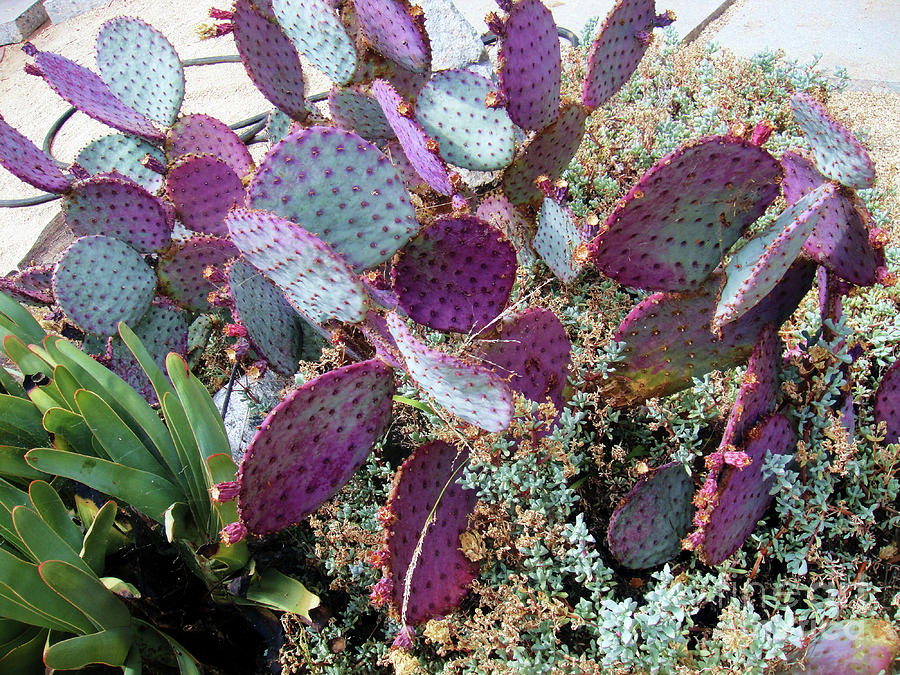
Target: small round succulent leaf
[[887, 403], [318, 34], [26, 161], [100, 281], [181, 269], [557, 239], [394, 32], [122, 154], [141, 68], [312, 443], [198, 134], [354, 109], [204, 189]]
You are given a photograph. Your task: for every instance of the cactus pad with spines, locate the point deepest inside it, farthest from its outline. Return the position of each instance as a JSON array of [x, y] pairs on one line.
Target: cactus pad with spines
[[204, 135], [758, 393], [278, 125], [354, 109], [122, 154], [451, 108], [455, 275], [100, 281], [557, 239], [141, 68], [270, 59], [647, 526], [465, 388], [438, 575], [838, 154], [407, 172], [374, 327], [397, 31], [26, 161], [341, 188], [547, 154], [312, 443], [181, 269], [420, 149], [204, 189], [117, 207], [859, 646], [497, 210], [674, 226], [32, 284], [314, 279], [530, 65], [887, 403], [318, 34], [272, 325]]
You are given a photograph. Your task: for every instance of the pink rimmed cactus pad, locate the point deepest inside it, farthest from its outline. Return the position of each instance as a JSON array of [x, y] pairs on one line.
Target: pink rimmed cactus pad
[[887, 403], [26, 161], [557, 240], [668, 341], [838, 154], [204, 189], [841, 239], [467, 389], [182, 268], [339, 187], [354, 109], [87, 92], [675, 225], [421, 150], [647, 526], [455, 275], [317, 33], [530, 64], [857, 646], [198, 134], [270, 58], [743, 491], [312, 443], [547, 154], [32, 284], [396, 29], [313, 278], [429, 580], [117, 207], [374, 327]]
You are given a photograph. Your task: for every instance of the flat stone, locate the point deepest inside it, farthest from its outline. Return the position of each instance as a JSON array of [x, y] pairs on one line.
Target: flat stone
[[60, 10], [241, 421], [454, 42], [19, 19]]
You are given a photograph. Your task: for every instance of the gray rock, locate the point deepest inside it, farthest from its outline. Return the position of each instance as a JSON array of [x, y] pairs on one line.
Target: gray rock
[[454, 43], [19, 19], [243, 415], [60, 10]]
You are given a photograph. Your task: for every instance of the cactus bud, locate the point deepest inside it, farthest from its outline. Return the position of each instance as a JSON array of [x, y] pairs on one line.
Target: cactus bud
[[233, 533], [224, 492], [495, 24], [381, 592], [234, 330], [405, 638], [29, 49], [148, 161], [665, 19], [761, 133]]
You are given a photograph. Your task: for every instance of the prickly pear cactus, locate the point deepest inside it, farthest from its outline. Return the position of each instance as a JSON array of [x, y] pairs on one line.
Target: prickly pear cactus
[[355, 109], [123, 154], [396, 29], [204, 135], [26, 161], [557, 240], [182, 270], [859, 646], [318, 34], [204, 189], [312, 443], [887, 403]]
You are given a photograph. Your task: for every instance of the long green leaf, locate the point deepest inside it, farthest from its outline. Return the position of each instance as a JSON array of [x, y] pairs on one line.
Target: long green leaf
[[24, 657], [278, 591], [40, 539], [96, 540], [27, 328], [161, 384], [86, 592], [11, 631], [67, 385], [133, 663], [108, 647], [72, 428], [148, 493], [189, 456], [20, 422], [26, 360], [10, 498], [12, 463], [52, 511], [10, 384]]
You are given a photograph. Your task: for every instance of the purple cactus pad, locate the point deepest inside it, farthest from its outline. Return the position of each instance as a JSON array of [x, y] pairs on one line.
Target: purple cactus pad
[[456, 275], [204, 189], [204, 135], [858, 646], [33, 284], [312, 443], [181, 269], [674, 226], [26, 161], [396, 30], [759, 389], [354, 109], [407, 172], [433, 581], [887, 403], [497, 210], [374, 327]]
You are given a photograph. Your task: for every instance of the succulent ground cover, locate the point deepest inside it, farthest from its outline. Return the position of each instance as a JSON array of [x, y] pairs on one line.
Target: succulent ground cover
[[590, 418]]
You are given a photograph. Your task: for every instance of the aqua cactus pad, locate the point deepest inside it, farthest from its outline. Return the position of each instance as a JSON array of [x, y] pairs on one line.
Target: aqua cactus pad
[[497, 210], [100, 281], [278, 125], [838, 154], [312, 443], [754, 270], [887, 403], [674, 226], [318, 34], [26, 161], [840, 240], [464, 387], [339, 187], [396, 30], [181, 269], [547, 154], [455, 275], [204, 189], [743, 493], [433, 582], [421, 150], [452, 109], [865, 646], [122, 154], [313, 278], [141, 68], [270, 59], [86, 91], [116, 207], [274, 328], [557, 240], [530, 65], [204, 135], [354, 109], [647, 526]]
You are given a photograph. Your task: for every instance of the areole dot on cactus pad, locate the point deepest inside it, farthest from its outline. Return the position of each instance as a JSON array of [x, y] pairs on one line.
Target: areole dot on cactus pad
[[270, 59], [674, 226], [887, 403], [117, 207], [26, 161], [859, 646], [141, 68], [100, 281], [397, 30], [354, 109], [312, 443], [429, 574], [557, 240], [341, 188], [124, 155], [182, 268], [647, 526], [204, 189], [455, 275], [198, 134], [318, 34], [314, 279], [465, 388]]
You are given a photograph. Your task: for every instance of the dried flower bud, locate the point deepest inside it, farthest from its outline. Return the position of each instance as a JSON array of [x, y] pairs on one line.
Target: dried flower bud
[[233, 533], [225, 492], [234, 330], [380, 594]]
